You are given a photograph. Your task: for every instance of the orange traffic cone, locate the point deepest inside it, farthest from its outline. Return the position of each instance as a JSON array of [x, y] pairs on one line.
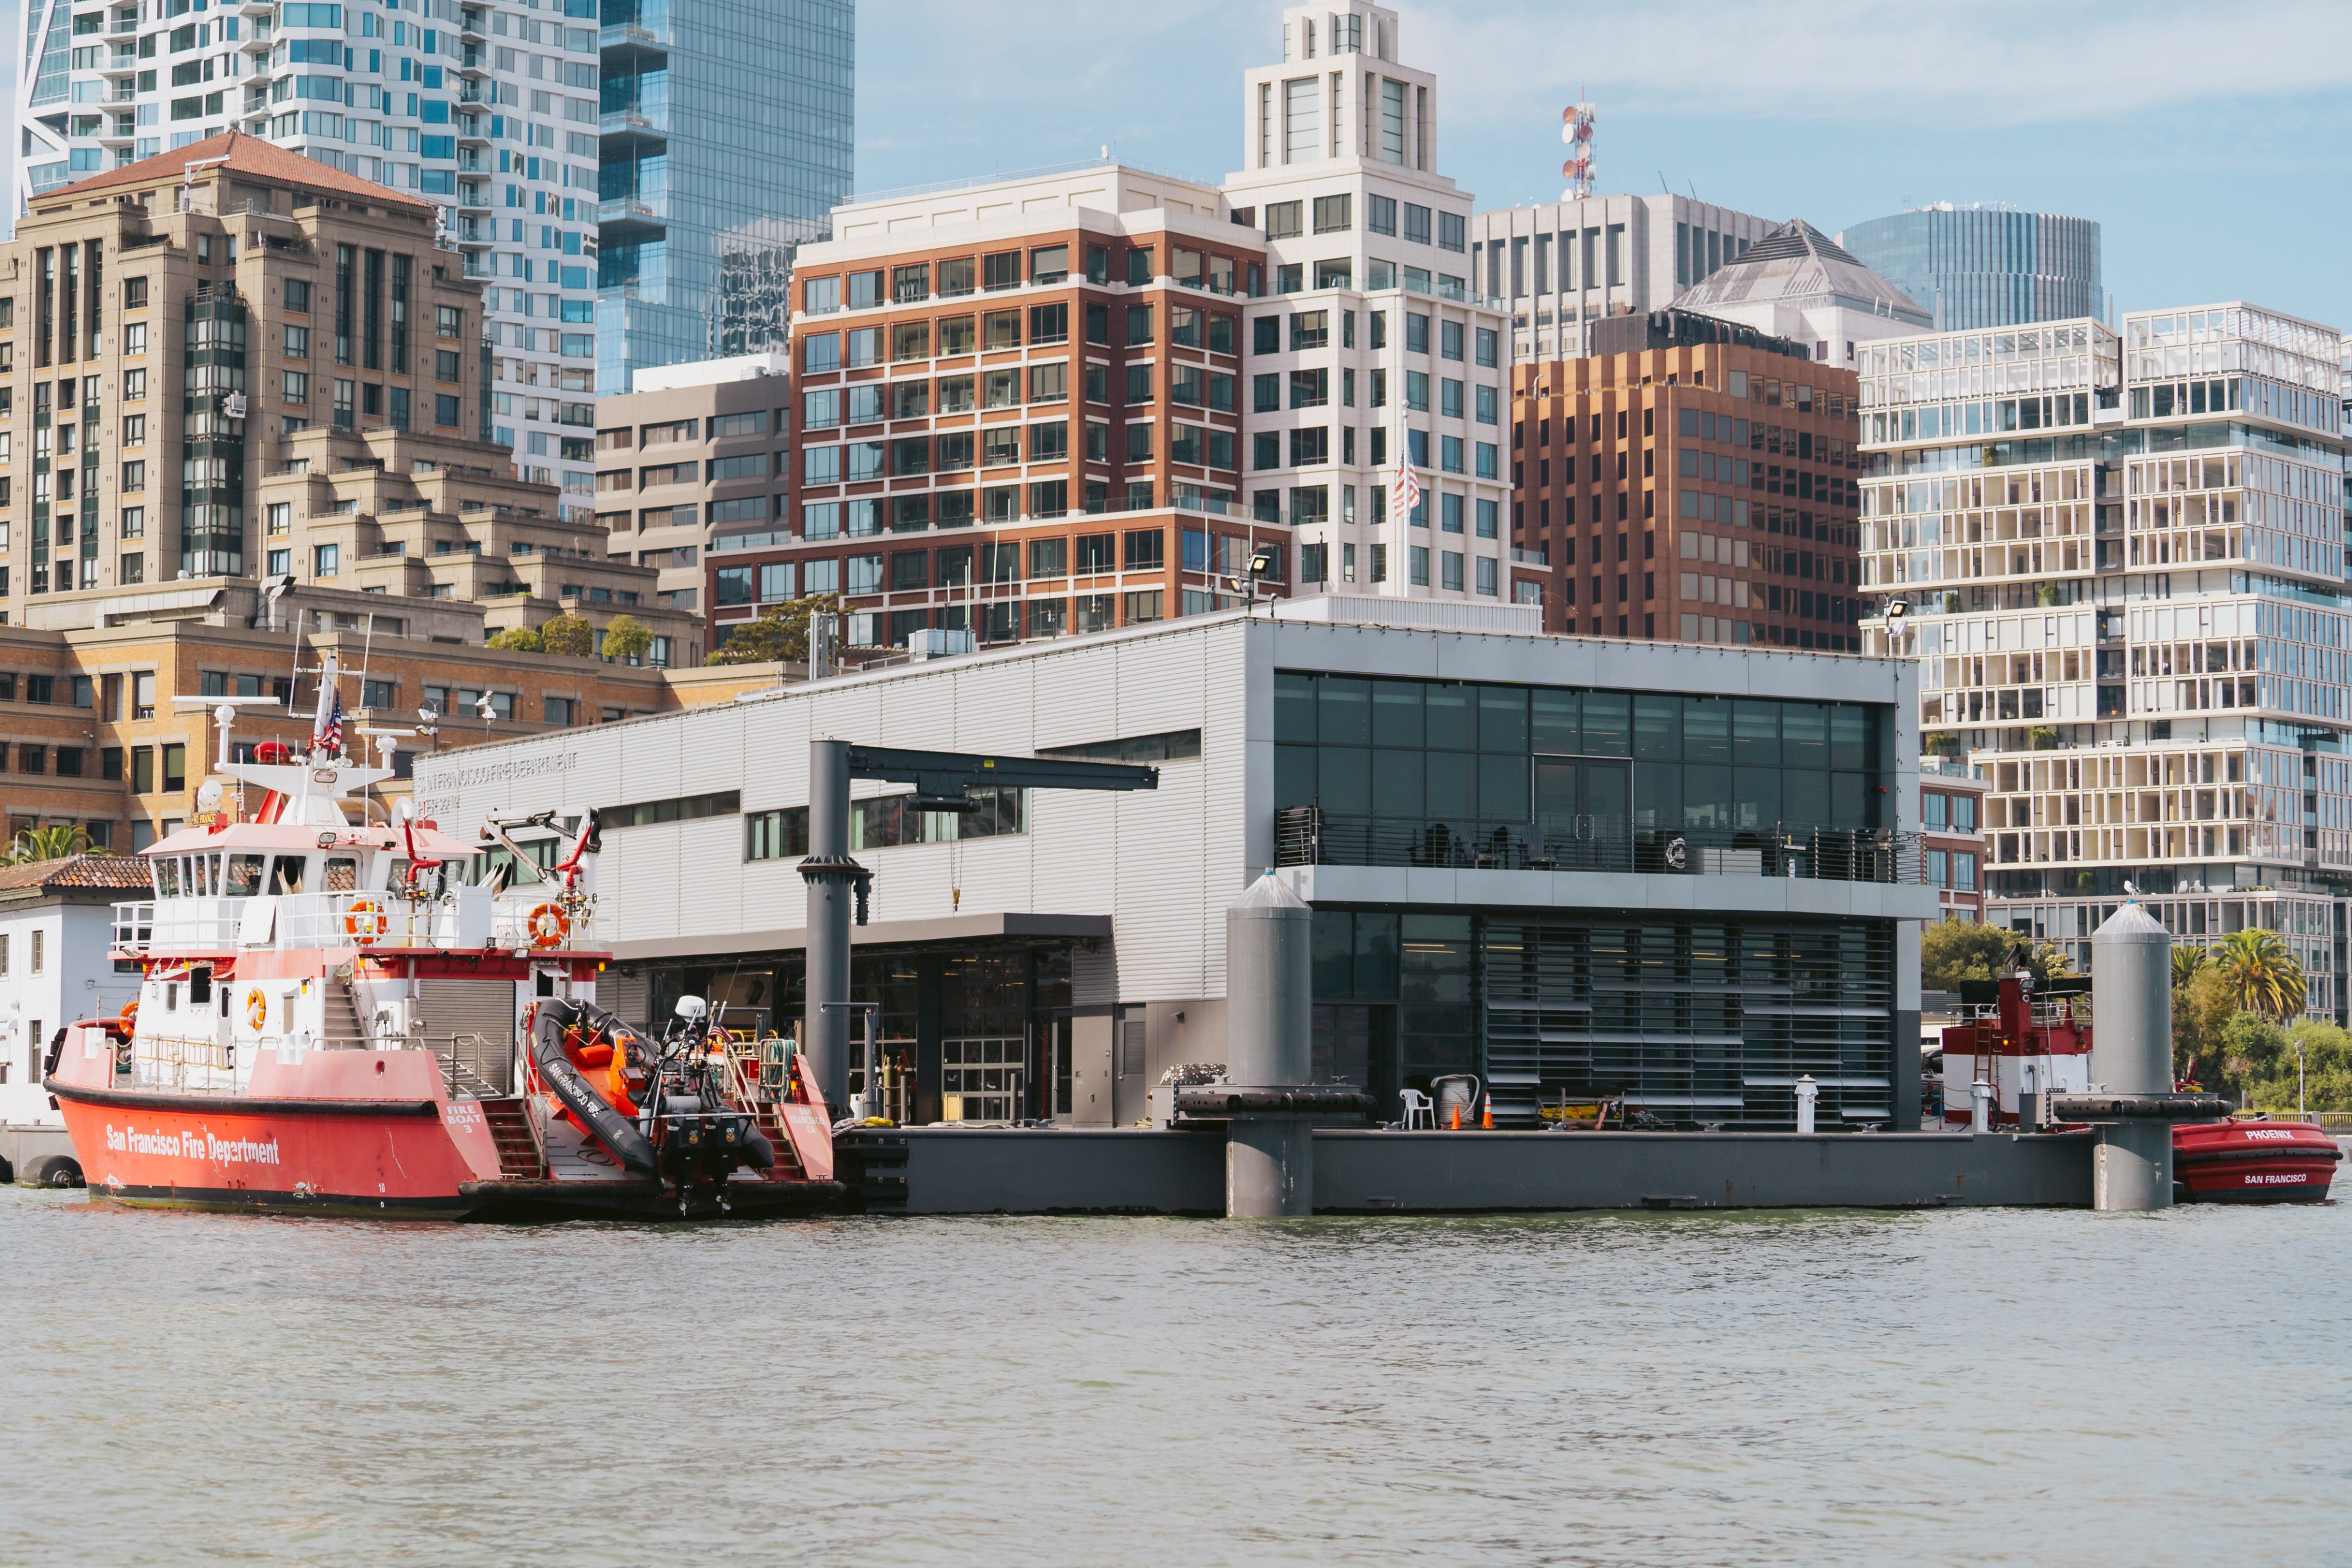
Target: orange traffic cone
[[1486, 1117], [1457, 1117]]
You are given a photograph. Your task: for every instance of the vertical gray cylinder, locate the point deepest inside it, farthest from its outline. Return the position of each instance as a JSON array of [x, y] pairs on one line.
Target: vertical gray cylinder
[[2131, 1053], [1269, 1167], [2131, 1169], [824, 1031], [2131, 1004], [1269, 986], [1269, 1043]]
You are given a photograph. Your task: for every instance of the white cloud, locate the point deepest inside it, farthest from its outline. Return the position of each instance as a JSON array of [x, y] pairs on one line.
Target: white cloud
[[2002, 62]]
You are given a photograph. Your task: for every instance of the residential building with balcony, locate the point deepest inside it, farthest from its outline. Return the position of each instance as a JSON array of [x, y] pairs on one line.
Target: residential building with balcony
[[1575, 867], [698, 446], [725, 138], [169, 330], [1695, 481], [1951, 835], [2120, 561], [1019, 414], [485, 113], [1563, 265]]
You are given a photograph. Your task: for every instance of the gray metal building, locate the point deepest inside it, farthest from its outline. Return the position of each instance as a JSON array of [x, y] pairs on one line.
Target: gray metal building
[[1575, 867]]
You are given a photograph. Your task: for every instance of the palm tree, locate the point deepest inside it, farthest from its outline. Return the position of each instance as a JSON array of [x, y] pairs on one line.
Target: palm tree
[[53, 843], [2264, 977], [2186, 963]]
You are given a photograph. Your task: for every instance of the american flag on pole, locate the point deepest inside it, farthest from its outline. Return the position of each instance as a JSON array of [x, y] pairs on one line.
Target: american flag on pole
[[327, 729], [1404, 490]]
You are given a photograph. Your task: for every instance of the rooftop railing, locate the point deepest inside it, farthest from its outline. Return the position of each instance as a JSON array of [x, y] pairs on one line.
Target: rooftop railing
[[1307, 835]]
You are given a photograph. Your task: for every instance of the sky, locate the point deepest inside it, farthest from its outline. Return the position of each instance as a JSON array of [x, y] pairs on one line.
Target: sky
[[2213, 148], [2215, 154]]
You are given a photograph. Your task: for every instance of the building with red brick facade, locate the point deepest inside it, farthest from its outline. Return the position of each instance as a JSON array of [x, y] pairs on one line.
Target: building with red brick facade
[[1697, 486], [1020, 418]]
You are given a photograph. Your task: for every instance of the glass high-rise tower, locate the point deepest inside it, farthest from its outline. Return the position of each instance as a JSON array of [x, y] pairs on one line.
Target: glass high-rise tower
[[727, 139], [1979, 267]]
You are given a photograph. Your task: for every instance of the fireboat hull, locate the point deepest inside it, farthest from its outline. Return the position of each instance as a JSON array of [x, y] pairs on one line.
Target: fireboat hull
[[380, 1159]]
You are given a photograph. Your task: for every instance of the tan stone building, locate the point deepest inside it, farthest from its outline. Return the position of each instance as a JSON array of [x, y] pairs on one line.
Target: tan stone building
[[169, 324], [412, 515], [107, 704], [695, 448]]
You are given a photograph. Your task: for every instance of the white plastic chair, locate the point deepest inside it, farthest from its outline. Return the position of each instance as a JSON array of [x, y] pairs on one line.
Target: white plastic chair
[[1418, 1109]]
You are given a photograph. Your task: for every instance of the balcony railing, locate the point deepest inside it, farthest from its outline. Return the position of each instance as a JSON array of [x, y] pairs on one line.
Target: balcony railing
[[1307, 835]]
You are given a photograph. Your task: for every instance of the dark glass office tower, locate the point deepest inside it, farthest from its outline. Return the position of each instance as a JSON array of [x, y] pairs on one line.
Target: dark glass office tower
[[720, 117]]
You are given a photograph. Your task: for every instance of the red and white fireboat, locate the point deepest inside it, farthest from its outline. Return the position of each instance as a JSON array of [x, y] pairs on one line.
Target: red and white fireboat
[[278, 1057]]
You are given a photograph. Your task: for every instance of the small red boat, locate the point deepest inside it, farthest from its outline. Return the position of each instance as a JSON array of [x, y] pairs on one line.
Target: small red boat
[[2253, 1162]]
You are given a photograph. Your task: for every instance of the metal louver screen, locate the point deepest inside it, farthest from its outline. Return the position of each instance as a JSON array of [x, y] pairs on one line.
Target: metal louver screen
[[1698, 1021]]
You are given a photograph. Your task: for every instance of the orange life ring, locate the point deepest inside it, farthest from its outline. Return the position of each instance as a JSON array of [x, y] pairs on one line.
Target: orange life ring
[[129, 1017], [365, 922], [547, 925], [257, 1009]]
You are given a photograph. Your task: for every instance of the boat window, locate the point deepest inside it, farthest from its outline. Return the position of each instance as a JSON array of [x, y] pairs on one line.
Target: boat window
[[167, 879], [244, 875], [200, 986], [286, 874], [342, 874], [171, 998]]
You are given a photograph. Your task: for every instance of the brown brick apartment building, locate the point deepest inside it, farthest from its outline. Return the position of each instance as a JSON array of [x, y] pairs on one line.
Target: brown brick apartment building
[[1695, 484], [1026, 422]]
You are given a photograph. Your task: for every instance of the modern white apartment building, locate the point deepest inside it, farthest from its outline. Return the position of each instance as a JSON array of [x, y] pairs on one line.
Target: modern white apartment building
[[1563, 265], [487, 108], [1384, 335], [2120, 559]]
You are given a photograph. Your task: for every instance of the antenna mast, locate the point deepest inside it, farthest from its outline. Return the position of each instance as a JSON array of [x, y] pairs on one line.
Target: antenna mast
[[1576, 130]]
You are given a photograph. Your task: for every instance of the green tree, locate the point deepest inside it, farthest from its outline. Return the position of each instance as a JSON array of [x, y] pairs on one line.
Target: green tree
[[2327, 1076], [55, 843], [519, 640], [2186, 962], [2251, 1047], [568, 635], [626, 639], [1952, 951], [780, 635], [2263, 975], [2201, 1012]]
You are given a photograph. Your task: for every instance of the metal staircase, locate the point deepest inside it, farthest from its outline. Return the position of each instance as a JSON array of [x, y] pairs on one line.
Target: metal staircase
[[519, 1155]]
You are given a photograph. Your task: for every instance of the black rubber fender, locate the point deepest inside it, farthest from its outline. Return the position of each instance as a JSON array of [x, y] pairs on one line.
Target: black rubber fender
[[614, 1131]]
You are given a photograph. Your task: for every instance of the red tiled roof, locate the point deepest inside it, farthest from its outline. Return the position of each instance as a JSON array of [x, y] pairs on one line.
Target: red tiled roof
[[245, 155], [127, 872]]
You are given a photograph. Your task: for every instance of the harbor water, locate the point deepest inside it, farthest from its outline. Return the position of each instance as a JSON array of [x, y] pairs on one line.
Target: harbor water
[[1954, 1386]]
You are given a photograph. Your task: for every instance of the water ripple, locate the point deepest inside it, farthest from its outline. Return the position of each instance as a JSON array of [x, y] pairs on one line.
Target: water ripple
[[1956, 1386]]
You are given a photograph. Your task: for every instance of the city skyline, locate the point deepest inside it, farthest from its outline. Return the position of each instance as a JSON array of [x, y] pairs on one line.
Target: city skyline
[[1856, 133]]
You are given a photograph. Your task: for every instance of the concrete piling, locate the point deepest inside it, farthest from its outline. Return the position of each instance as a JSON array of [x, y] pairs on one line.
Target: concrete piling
[[2131, 1053], [1269, 1045]]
